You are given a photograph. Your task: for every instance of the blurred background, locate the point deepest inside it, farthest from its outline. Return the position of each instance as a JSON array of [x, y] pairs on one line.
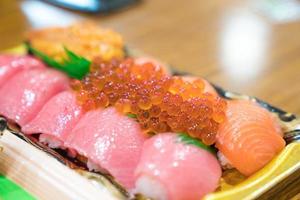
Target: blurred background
[[251, 47]]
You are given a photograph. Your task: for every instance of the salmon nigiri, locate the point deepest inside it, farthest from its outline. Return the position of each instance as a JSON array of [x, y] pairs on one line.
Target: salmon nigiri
[[11, 64], [56, 119], [24, 94], [250, 136], [111, 141], [172, 167]]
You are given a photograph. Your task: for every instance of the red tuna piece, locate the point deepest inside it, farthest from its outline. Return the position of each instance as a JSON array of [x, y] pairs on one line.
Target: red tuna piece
[[110, 141], [24, 94], [56, 119], [11, 64], [171, 170]]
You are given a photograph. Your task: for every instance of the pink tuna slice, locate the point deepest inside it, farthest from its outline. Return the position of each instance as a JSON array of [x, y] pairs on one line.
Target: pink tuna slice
[[56, 119], [171, 170], [24, 94], [110, 140], [11, 64]]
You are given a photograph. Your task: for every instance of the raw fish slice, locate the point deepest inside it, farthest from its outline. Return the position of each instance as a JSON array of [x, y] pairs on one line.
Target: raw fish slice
[[110, 140], [56, 119], [11, 64], [172, 170], [207, 86], [24, 94], [250, 137]]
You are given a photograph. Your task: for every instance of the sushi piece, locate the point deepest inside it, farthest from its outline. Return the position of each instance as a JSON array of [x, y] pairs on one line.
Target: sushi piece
[[111, 141], [207, 86], [250, 137], [56, 119], [172, 168], [11, 64], [85, 39], [24, 94]]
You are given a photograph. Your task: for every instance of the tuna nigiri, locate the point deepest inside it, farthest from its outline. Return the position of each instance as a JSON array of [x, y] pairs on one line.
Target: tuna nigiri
[[56, 119], [110, 141], [25, 93], [10, 65], [250, 137], [173, 169]]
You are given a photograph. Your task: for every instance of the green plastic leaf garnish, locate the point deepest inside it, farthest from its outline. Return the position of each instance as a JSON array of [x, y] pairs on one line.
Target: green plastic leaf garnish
[[186, 139], [131, 115], [9, 190], [74, 66]]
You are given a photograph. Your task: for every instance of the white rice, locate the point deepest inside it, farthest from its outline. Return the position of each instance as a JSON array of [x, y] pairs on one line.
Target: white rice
[[224, 161], [150, 188], [51, 141], [93, 166]]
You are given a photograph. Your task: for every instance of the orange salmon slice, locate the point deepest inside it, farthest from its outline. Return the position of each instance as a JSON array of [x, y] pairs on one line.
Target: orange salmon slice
[[250, 137]]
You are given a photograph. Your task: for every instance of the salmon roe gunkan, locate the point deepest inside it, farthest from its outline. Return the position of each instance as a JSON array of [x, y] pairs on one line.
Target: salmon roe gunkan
[[159, 102]]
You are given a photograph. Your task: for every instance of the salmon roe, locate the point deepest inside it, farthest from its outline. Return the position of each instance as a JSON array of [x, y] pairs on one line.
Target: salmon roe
[[159, 102]]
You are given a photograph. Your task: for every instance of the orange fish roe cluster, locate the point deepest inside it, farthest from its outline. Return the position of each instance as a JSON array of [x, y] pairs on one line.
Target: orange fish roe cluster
[[160, 102]]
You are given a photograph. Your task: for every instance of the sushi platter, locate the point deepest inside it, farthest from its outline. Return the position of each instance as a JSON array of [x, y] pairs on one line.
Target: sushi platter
[[84, 117]]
